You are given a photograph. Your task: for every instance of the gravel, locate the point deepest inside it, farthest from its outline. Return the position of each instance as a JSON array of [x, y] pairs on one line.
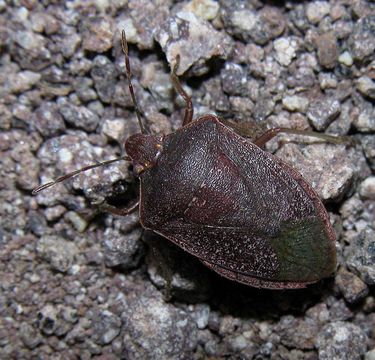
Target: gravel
[[77, 283]]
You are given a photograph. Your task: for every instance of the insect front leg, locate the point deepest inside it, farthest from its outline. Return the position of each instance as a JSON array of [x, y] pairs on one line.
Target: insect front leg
[[105, 207]]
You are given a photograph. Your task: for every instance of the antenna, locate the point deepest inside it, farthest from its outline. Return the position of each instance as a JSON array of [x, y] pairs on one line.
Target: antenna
[[76, 172], [125, 50]]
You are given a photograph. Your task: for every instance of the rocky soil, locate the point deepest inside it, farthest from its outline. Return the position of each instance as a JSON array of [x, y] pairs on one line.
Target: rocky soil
[[77, 283]]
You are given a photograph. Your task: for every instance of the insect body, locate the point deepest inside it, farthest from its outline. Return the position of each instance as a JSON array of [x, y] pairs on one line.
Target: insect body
[[242, 211]]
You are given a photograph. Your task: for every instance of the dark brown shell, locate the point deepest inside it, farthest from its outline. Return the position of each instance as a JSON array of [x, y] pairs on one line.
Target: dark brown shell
[[243, 212]]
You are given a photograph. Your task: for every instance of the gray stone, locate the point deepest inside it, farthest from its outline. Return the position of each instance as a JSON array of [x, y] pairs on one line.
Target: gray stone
[[157, 330], [184, 35], [370, 355], [327, 81], [104, 75], [368, 144], [362, 39], [316, 10], [123, 250], [330, 169], [339, 310], [106, 327], [351, 286], [158, 81], [365, 121], [97, 33], [79, 223], [263, 107], [297, 333], [260, 26], [201, 314], [366, 86], [44, 22], [83, 88], [341, 340], [47, 120], [57, 251], [114, 129], [29, 335], [346, 59], [367, 188], [361, 256], [322, 112], [327, 50], [205, 9], [286, 49], [144, 26], [78, 116], [295, 103], [234, 79], [22, 81]]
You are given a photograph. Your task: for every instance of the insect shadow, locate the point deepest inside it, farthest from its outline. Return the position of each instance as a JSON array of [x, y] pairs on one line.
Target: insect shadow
[[244, 213]]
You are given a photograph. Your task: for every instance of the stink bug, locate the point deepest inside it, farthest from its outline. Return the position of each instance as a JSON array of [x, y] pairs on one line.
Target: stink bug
[[243, 212]]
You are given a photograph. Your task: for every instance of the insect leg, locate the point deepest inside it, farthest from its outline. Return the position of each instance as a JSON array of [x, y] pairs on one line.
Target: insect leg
[[271, 133], [189, 110], [119, 211], [250, 129]]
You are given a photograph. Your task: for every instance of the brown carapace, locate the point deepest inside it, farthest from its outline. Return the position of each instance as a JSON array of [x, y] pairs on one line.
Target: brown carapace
[[242, 211]]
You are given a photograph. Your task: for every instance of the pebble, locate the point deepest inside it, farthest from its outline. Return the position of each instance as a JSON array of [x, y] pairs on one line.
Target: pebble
[[22, 81], [365, 121], [361, 256], [30, 336], [330, 169], [47, 120], [295, 103], [368, 144], [114, 129], [327, 50], [367, 188], [78, 116], [149, 314], [106, 326], [104, 74], [370, 355], [79, 223], [57, 251], [97, 34], [247, 24], [244, 19], [234, 79], [286, 50], [362, 39], [341, 340], [346, 59], [351, 286], [184, 35], [122, 250], [205, 9], [366, 86], [322, 112], [317, 10]]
